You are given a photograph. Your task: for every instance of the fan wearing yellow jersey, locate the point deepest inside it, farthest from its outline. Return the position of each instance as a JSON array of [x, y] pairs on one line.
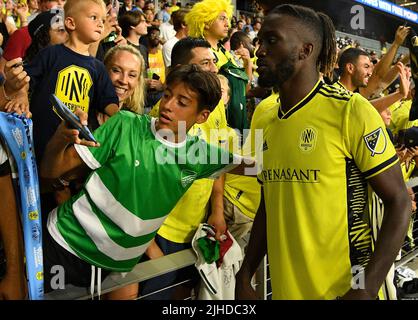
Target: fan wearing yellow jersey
[[323, 153], [358, 74]]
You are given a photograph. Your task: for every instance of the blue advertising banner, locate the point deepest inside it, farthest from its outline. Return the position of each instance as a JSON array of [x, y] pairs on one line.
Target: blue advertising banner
[[391, 8]]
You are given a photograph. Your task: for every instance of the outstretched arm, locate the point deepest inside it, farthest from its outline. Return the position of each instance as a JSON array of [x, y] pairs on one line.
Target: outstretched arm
[[383, 66], [385, 102]]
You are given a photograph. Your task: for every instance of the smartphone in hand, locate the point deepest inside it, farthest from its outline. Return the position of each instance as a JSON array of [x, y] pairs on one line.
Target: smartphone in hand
[[69, 117]]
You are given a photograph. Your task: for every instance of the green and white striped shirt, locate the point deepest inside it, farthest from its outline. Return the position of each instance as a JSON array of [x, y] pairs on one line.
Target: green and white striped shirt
[[129, 193]]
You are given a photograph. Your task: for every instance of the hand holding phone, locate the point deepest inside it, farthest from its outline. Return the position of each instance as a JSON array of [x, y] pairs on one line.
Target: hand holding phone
[[71, 119]]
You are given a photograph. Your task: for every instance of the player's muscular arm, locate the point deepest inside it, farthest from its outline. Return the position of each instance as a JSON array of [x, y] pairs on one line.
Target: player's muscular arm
[[390, 187]]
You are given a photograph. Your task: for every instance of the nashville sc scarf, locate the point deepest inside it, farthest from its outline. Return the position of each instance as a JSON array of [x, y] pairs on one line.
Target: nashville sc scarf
[[16, 132]]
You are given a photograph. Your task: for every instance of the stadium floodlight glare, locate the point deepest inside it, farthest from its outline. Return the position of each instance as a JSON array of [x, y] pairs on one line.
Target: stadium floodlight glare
[[406, 4]]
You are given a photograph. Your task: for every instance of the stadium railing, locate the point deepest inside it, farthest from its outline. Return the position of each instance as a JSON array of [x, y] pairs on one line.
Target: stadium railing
[[150, 269]]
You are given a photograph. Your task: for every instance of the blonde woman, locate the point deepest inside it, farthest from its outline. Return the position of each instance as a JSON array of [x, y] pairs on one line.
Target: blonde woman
[[125, 66]]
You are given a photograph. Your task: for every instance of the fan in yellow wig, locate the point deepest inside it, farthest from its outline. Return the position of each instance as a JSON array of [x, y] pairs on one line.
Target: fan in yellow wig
[[201, 23], [204, 13]]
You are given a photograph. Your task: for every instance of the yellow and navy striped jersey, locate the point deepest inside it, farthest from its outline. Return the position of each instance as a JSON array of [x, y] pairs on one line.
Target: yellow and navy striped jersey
[[316, 162], [376, 211], [339, 85]]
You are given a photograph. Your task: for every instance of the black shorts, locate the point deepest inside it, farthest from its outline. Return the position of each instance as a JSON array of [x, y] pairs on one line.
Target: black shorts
[[76, 271]]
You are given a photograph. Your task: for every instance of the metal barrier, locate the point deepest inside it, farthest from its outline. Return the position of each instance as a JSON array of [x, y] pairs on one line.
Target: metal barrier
[[153, 268], [150, 269], [142, 271]]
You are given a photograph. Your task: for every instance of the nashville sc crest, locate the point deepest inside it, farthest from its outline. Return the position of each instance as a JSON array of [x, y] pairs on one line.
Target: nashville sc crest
[[73, 87], [307, 139]]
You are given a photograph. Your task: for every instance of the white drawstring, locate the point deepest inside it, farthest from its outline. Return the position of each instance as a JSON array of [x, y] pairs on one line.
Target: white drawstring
[[99, 282], [93, 273]]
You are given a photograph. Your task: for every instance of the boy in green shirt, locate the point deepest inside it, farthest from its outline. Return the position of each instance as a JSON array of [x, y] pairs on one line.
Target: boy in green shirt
[[135, 178]]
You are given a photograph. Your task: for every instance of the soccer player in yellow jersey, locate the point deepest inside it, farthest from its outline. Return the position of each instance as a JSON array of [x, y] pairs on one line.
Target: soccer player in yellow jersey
[[322, 152]]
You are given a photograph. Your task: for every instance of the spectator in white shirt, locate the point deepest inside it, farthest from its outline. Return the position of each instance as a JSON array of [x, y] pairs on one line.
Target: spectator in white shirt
[[181, 32]]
